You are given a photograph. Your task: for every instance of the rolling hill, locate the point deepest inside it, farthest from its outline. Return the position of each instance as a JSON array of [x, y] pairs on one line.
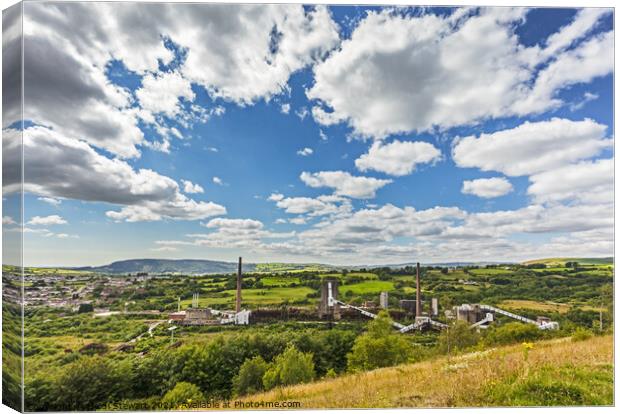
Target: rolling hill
[[158, 266], [560, 261]]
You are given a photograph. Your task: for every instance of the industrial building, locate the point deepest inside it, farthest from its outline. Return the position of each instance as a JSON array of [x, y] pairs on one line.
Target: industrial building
[[196, 316]]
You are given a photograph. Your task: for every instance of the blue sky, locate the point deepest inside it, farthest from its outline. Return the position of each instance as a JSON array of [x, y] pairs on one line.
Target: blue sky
[[341, 135]]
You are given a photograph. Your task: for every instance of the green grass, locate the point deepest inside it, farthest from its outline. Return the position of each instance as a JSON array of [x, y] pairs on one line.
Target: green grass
[[279, 281], [270, 296], [583, 260], [367, 287], [554, 372], [491, 272], [556, 386]]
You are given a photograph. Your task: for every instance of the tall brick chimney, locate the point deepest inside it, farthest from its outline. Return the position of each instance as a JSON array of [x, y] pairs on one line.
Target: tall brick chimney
[[418, 293], [238, 301]]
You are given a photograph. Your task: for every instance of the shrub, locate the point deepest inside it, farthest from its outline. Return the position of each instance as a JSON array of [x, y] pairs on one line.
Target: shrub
[[458, 337], [289, 368], [183, 392], [249, 380], [581, 334], [511, 333], [379, 347]]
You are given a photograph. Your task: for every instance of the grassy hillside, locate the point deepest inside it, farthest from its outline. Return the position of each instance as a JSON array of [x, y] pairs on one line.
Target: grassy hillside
[[556, 372], [560, 261]]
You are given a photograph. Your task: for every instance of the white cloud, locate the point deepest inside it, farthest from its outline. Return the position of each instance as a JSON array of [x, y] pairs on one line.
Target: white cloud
[[305, 152], [322, 135], [344, 184], [69, 93], [212, 149], [165, 249], [161, 93], [398, 74], [302, 113], [275, 197], [50, 200], [592, 59], [47, 220], [487, 187], [191, 188], [585, 20], [532, 147], [247, 224], [320, 206], [587, 97], [8, 221], [285, 108], [62, 167], [587, 182], [398, 157], [218, 181], [67, 65], [231, 233], [297, 220]]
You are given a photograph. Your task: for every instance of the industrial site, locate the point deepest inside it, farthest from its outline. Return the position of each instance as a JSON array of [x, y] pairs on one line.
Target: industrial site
[[479, 316]]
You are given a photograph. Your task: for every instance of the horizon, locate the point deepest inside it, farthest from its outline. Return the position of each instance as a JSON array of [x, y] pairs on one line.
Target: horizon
[[313, 134], [493, 262]]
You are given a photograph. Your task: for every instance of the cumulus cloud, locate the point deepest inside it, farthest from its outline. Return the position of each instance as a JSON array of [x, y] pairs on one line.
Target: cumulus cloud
[[161, 93], [57, 166], [587, 182], [487, 187], [66, 66], [68, 93], [398, 157], [304, 152], [263, 43], [50, 200], [247, 224], [191, 188], [400, 73], [313, 207], [532, 147], [218, 181], [8, 221], [47, 220], [344, 184], [285, 108]]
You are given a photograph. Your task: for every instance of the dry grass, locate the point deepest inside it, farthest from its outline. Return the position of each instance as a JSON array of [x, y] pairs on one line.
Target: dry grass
[[515, 304], [462, 381]]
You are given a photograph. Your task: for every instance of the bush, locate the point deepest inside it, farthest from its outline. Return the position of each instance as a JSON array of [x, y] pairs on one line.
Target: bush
[[289, 368], [379, 347], [249, 380], [581, 334], [458, 337], [512, 333], [183, 392]]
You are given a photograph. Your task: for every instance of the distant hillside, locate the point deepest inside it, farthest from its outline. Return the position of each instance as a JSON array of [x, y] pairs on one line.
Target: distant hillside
[[442, 264], [157, 266], [560, 261]]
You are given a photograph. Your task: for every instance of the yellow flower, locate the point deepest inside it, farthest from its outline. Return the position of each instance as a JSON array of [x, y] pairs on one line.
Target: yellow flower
[[528, 345]]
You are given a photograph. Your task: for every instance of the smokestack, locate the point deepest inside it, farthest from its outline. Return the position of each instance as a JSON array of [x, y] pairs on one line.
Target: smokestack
[[418, 294], [238, 303]]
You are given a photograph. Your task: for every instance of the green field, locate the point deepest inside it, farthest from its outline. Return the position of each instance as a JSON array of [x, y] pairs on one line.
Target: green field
[[367, 287], [253, 297]]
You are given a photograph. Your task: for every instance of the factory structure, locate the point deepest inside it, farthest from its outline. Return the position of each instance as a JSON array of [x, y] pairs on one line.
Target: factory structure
[[196, 316], [478, 316]]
